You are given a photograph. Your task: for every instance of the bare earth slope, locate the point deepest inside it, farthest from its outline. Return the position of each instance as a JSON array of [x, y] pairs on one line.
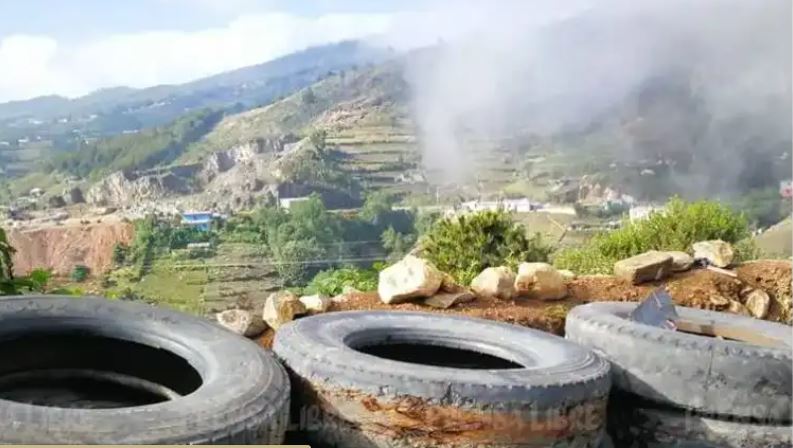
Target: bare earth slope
[[60, 248]]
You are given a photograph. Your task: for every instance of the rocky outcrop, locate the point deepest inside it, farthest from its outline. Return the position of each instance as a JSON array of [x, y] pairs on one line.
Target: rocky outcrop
[[540, 281], [125, 188], [243, 322], [495, 282], [646, 267], [717, 252], [409, 278]]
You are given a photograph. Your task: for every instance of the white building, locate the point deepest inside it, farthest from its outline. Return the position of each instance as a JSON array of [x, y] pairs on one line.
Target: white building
[[287, 202], [643, 211]]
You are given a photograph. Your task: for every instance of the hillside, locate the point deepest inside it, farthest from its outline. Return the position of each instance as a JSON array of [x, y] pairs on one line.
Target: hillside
[[41, 127]]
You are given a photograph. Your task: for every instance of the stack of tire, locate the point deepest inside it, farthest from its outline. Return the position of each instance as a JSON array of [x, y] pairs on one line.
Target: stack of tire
[[675, 388], [544, 392], [201, 383]]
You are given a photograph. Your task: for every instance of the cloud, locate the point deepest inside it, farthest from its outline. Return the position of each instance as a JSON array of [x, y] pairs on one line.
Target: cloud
[[38, 65]]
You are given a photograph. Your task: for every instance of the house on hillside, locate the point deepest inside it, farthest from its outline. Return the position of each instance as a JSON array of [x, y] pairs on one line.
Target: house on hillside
[[286, 203], [201, 220]]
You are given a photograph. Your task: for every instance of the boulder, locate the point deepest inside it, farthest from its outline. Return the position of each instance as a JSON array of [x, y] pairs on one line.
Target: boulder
[[758, 302], [540, 281], [567, 275], [649, 266], [282, 308], [681, 261], [448, 284], [738, 308], [409, 278], [445, 300], [242, 322], [718, 253], [495, 282], [318, 303]]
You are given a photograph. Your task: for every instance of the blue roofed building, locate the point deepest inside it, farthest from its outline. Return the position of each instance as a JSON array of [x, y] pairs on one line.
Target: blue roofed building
[[199, 220]]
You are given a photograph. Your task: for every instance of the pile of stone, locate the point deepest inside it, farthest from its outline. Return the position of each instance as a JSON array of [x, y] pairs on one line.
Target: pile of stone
[[415, 279], [656, 265], [279, 309]]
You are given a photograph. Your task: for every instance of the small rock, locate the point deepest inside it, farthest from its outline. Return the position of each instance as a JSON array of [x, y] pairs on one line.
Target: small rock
[[681, 261], [738, 308], [718, 253], [540, 281], [718, 300], [758, 302], [242, 322], [409, 278], [649, 266], [448, 284], [495, 282], [449, 299], [317, 303], [282, 308], [567, 275]]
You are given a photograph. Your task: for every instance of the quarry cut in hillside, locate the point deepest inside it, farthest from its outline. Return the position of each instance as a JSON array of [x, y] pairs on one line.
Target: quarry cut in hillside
[[60, 248]]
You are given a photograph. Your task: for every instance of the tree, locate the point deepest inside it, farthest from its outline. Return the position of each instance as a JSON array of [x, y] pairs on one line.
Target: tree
[[377, 206], [317, 138], [36, 281], [308, 96], [6, 265]]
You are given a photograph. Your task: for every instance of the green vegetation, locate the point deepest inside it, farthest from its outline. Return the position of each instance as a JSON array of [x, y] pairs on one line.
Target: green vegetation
[[10, 285], [142, 150], [332, 282], [764, 207], [676, 228], [465, 245], [80, 273]]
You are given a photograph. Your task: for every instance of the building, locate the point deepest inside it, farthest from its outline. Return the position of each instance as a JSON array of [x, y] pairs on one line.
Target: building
[[200, 220], [286, 203], [640, 212]]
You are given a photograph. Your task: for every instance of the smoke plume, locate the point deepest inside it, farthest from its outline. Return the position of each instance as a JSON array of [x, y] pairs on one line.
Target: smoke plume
[[704, 85]]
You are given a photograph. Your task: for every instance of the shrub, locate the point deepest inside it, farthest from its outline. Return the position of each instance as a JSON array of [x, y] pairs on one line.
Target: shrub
[[331, 282], [120, 252], [465, 245], [80, 273], [680, 225]]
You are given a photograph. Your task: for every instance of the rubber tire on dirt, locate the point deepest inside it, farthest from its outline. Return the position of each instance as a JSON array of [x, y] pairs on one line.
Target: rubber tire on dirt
[[633, 425], [368, 401], [244, 397], [709, 375]]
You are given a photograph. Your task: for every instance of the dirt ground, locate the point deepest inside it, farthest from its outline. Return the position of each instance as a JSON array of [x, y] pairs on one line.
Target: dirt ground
[[698, 288]]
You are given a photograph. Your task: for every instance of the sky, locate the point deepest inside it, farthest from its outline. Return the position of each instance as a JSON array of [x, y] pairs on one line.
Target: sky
[[75, 47]]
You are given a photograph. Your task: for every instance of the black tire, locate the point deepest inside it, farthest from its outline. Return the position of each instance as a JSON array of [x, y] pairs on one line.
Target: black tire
[[232, 392], [353, 399], [712, 376], [635, 425]]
